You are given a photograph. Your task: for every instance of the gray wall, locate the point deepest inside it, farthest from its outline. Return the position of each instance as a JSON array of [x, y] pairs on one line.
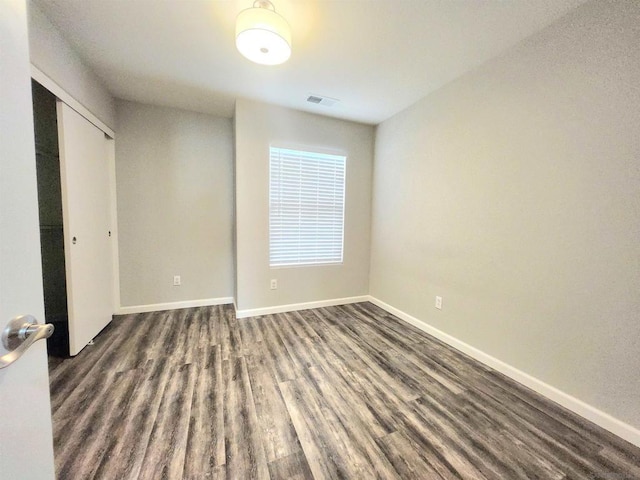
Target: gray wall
[[175, 210], [514, 193], [51, 53], [257, 125]]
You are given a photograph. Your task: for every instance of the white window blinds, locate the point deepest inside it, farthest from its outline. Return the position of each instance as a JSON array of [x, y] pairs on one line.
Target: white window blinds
[[306, 207]]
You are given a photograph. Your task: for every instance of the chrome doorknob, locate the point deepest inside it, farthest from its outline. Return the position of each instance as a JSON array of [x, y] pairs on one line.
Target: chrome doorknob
[[19, 334]]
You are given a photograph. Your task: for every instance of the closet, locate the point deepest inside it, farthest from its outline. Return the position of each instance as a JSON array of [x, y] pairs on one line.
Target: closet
[[74, 198]]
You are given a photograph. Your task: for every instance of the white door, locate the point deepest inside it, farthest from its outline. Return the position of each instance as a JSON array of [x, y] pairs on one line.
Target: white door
[[26, 447], [84, 169]]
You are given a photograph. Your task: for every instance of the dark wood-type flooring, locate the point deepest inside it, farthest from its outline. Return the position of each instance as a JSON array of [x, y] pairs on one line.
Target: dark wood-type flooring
[[346, 392]]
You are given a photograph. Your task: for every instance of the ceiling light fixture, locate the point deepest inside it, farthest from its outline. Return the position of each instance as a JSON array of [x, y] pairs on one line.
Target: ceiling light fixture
[[262, 35]]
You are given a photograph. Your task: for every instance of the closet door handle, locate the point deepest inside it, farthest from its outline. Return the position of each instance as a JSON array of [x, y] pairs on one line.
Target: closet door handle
[[19, 334]]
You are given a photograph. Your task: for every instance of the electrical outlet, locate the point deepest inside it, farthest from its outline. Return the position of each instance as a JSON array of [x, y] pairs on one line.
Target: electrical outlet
[[176, 281], [274, 283], [439, 303]]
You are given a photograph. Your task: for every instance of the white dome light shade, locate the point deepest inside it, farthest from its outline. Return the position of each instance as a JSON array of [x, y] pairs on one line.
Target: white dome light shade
[[263, 36]]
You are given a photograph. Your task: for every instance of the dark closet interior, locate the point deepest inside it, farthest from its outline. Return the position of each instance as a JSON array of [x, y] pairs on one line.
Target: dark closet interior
[[51, 224]]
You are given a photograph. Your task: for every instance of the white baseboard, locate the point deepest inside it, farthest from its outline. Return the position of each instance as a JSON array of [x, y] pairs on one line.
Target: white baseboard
[[157, 307], [300, 306], [606, 421]]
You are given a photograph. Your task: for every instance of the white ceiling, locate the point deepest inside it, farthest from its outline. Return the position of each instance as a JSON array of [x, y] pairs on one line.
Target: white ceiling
[[376, 56]]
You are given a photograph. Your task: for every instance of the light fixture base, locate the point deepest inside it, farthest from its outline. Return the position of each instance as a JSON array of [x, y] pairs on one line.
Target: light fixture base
[[262, 35]]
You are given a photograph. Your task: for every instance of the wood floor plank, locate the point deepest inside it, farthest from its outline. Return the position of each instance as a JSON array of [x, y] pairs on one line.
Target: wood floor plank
[[466, 441], [400, 416], [324, 448], [616, 459], [245, 457], [536, 418], [205, 441], [347, 392], [362, 429], [189, 342], [381, 402], [231, 340], [313, 321], [528, 462], [346, 402], [432, 368], [365, 337], [405, 459], [414, 333], [80, 454], [575, 462], [302, 323], [273, 421], [73, 384], [130, 448], [276, 355], [250, 332], [210, 327], [295, 345], [291, 467], [364, 360], [166, 450], [141, 342], [377, 327], [555, 414]]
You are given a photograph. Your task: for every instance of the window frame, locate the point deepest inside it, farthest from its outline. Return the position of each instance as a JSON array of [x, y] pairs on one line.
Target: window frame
[[308, 151]]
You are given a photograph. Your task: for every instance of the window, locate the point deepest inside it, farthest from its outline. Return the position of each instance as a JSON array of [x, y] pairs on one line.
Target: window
[[306, 207]]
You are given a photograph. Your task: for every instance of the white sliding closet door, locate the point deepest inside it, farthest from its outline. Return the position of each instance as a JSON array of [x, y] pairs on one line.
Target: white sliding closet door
[[84, 168]]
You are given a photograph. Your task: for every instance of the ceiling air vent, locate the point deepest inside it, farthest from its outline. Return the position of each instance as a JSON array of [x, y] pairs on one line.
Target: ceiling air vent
[[320, 100]]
